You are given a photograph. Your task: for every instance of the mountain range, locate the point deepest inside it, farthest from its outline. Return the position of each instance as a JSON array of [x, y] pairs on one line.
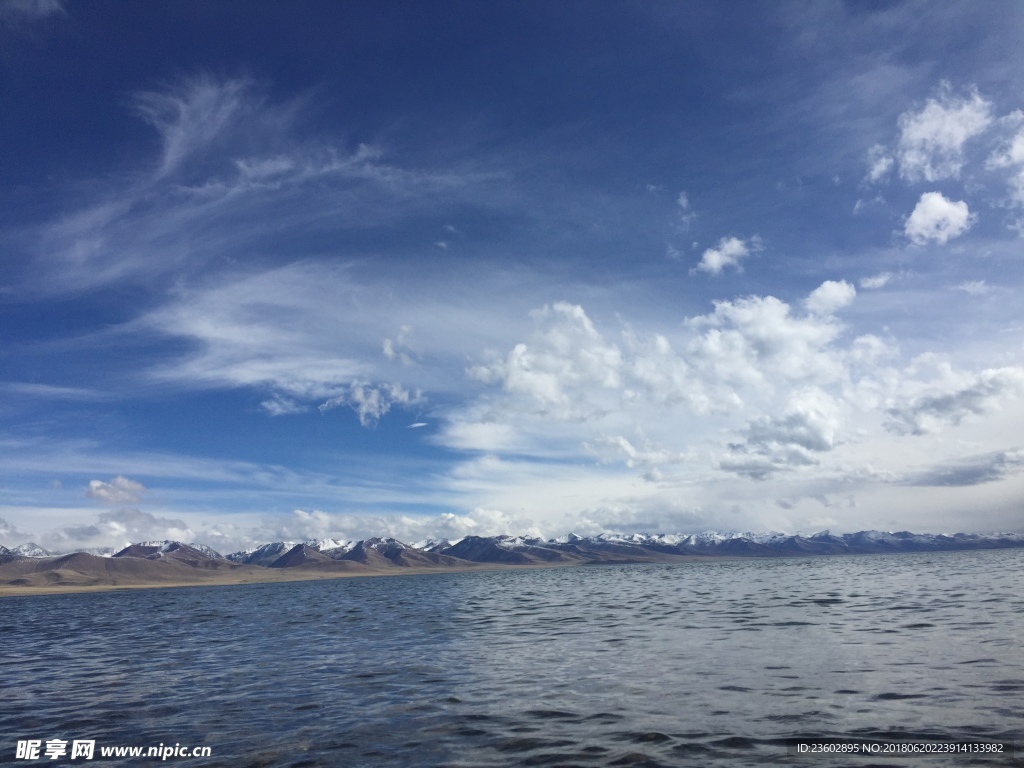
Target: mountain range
[[172, 562]]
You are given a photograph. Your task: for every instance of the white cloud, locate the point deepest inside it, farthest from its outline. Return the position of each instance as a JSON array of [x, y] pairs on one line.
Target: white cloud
[[644, 399], [371, 402], [756, 339], [117, 529], [568, 357], [281, 406], [880, 162], [876, 281], [829, 297], [1010, 156], [204, 202], [640, 452], [932, 139], [774, 444], [120, 490], [729, 252], [398, 348], [190, 115], [937, 219], [974, 287], [1012, 151], [29, 10], [969, 470], [10, 535], [928, 406]]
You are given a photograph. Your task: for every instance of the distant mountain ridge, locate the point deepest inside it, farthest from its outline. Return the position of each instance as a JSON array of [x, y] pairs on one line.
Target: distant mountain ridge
[[170, 563], [525, 550]]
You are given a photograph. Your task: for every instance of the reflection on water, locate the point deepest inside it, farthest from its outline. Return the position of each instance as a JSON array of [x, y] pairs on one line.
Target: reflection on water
[[709, 663]]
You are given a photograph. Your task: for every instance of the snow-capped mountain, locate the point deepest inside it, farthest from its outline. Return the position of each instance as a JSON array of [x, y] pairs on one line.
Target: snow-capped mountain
[[177, 550], [31, 549], [383, 553], [647, 546], [263, 555], [268, 554]]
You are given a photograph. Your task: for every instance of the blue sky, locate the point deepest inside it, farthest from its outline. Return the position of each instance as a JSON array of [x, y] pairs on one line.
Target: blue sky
[[287, 270]]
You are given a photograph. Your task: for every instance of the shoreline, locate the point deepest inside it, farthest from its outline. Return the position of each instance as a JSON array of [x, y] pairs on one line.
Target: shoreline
[[279, 576], [265, 575]]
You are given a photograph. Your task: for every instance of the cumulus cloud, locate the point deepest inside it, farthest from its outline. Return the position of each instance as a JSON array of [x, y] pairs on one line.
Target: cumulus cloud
[[952, 399], [778, 443], [754, 339], [117, 529], [830, 297], [572, 372], [932, 139], [806, 427], [648, 401], [1011, 152], [728, 253], [318, 525], [371, 402], [936, 219], [120, 490], [570, 355], [757, 388], [9, 533]]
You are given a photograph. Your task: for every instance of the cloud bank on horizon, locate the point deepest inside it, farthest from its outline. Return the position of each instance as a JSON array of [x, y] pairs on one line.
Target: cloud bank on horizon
[[510, 271]]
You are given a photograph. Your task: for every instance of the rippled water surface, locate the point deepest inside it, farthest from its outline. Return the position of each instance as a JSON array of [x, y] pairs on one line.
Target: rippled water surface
[[720, 663]]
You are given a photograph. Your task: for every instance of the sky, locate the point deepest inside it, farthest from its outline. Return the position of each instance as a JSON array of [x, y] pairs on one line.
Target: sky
[[315, 269]]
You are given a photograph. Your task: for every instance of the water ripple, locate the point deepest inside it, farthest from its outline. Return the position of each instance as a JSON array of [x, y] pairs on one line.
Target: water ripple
[[718, 663]]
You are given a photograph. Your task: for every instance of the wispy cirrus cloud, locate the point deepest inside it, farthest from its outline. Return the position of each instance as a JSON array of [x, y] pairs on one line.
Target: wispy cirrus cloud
[[233, 169], [310, 335], [25, 11]]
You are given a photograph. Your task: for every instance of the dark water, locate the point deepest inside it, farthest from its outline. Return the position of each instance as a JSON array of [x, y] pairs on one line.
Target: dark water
[[715, 663]]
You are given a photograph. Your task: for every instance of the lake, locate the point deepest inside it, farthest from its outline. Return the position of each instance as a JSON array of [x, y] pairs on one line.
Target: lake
[[717, 663]]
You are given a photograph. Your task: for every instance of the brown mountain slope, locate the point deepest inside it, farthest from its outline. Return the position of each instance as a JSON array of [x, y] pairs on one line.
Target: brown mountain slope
[[176, 551], [81, 569], [390, 553], [305, 557]]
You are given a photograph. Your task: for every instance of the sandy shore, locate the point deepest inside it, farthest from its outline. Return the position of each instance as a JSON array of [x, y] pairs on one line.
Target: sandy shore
[[271, 576]]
